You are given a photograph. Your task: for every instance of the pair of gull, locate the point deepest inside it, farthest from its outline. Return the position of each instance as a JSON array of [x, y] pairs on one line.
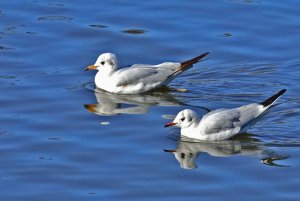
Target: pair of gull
[[219, 124]]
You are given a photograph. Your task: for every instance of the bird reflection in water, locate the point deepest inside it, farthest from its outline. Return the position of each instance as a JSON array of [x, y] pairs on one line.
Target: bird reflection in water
[[188, 150], [109, 104]]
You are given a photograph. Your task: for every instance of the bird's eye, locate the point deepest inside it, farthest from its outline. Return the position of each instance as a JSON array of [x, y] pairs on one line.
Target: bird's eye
[[182, 119], [102, 62], [182, 155]]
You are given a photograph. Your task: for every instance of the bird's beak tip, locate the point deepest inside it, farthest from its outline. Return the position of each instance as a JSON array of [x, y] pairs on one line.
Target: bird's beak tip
[[169, 150], [169, 124], [91, 67]]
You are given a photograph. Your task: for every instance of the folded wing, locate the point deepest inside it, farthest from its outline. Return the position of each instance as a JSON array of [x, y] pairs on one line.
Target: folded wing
[[220, 120], [146, 74]]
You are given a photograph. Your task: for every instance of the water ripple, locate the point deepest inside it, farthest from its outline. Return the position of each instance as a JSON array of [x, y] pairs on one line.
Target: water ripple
[[53, 148], [99, 26], [55, 18], [134, 31]]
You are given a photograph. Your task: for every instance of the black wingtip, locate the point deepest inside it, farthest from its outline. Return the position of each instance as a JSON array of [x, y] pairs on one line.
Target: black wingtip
[[282, 91], [188, 63], [198, 58], [204, 54], [273, 98]]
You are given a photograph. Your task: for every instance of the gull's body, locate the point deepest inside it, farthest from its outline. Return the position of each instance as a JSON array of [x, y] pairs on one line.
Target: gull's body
[[222, 124], [138, 78]]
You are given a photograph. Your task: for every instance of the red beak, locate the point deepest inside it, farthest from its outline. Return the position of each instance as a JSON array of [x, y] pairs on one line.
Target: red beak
[[169, 150], [170, 124]]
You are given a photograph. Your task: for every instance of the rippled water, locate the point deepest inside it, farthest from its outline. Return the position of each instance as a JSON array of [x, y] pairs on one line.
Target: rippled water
[[60, 141]]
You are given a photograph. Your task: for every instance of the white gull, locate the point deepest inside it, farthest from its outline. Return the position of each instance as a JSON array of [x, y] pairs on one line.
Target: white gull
[[138, 78], [222, 124]]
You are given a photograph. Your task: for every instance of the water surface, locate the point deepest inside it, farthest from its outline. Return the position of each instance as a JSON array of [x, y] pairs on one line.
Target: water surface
[[60, 141]]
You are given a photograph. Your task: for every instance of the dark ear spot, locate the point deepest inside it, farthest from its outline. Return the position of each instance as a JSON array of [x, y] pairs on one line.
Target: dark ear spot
[[189, 118], [111, 63]]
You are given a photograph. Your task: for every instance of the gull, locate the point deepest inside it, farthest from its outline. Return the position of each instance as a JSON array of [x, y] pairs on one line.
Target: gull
[[222, 124], [139, 78]]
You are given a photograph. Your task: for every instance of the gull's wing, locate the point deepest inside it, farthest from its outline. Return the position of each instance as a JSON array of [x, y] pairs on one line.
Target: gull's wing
[[141, 66], [251, 113], [127, 76], [220, 120], [154, 75], [228, 122], [228, 119], [145, 74]]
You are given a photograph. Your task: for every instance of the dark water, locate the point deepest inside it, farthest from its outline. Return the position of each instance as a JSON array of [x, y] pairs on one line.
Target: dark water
[[52, 148]]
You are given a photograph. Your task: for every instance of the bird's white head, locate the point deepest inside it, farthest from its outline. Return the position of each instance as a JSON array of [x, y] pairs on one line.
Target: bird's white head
[[107, 61], [184, 119]]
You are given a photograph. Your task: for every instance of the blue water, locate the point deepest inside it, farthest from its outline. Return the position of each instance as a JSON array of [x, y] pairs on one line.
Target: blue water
[[53, 148]]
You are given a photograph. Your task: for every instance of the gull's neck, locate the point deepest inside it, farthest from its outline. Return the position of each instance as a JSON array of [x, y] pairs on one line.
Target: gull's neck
[[195, 124], [106, 72], [104, 79], [193, 130]]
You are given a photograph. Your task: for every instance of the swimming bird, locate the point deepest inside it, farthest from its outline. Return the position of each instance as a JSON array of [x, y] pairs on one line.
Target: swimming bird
[[138, 78], [222, 124]]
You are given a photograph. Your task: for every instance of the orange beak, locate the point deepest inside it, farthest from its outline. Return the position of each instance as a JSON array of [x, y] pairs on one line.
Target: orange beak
[[170, 124], [91, 67]]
